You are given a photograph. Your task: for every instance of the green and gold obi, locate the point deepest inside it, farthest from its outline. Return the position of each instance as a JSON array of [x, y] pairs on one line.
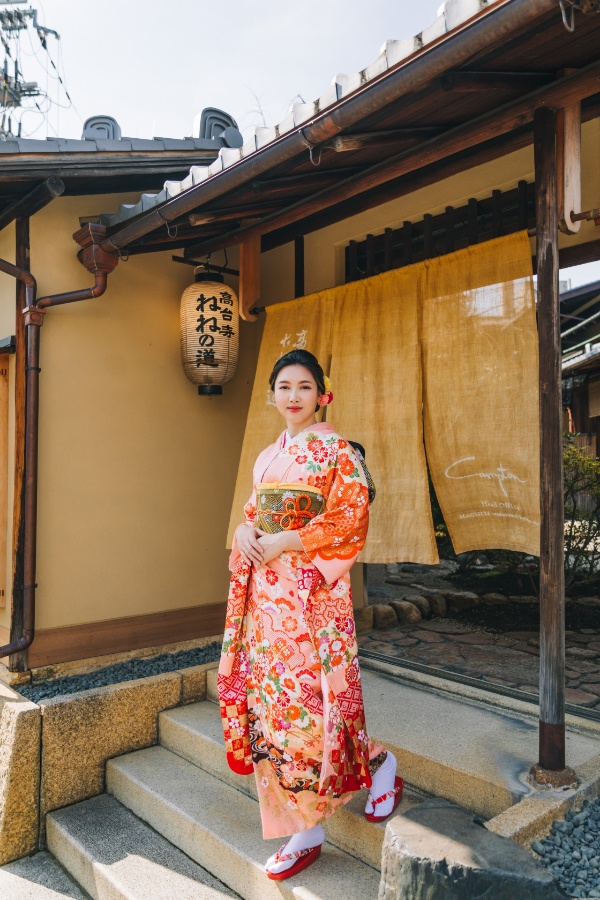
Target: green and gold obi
[[287, 507]]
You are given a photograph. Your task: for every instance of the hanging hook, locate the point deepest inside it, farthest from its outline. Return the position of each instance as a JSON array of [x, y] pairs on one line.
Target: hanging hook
[[312, 158], [570, 26], [172, 234]]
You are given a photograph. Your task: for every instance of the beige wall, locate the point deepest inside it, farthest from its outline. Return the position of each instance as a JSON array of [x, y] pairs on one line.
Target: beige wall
[[136, 470]]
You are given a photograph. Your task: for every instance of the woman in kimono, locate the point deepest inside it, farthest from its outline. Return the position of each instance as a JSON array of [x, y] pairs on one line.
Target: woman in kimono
[[289, 680]]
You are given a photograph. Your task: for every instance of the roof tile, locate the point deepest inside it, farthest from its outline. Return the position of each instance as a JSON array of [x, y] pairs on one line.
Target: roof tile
[[396, 51], [349, 83], [265, 136], [434, 31], [376, 68]]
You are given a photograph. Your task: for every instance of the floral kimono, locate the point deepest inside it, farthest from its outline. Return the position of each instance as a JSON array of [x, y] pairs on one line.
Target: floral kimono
[[289, 681]]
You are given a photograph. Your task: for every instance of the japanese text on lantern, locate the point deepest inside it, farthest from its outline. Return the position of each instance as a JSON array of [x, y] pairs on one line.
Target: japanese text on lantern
[[216, 315]]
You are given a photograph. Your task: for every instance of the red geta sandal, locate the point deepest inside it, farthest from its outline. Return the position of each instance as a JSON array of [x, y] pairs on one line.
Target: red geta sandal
[[396, 793], [304, 858]]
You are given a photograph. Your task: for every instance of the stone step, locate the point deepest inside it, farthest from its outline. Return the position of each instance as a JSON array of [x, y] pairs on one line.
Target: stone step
[[462, 744], [219, 827], [38, 877], [116, 856], [194, 732]]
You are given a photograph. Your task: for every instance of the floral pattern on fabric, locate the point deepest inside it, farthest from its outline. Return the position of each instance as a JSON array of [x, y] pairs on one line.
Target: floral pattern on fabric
[[290, 641]]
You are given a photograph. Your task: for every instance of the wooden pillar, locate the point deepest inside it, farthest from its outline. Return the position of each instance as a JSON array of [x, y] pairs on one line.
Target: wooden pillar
[[249, 284], [4, 591], [551, 767], [299, 266], [18, 661], [568, 163]]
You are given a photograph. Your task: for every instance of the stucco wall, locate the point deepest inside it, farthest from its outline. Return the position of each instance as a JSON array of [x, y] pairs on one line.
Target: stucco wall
[[136, 470]]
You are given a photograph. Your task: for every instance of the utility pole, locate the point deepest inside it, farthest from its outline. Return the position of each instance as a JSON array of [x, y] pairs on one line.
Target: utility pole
[[14, 90]]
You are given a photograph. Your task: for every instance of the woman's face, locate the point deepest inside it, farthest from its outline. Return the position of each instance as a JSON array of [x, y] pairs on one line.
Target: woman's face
[[296, 396]]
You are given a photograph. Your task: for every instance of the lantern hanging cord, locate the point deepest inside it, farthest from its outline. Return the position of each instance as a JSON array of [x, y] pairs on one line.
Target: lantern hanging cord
[[222, 268]]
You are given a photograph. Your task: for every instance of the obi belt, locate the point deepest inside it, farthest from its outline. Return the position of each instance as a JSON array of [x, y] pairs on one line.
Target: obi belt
[[286, 507]]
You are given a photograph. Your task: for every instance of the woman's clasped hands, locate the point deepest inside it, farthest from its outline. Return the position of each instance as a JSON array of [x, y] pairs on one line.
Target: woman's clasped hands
[[258, 548]]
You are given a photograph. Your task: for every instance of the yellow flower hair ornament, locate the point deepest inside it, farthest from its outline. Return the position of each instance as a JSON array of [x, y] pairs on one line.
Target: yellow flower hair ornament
[[327, 397]]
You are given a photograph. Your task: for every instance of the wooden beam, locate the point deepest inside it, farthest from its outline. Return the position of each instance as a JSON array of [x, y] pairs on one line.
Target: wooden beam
[[476, 82], [71, 642], [18, 662], [552, 573], [35, 200], [409, 136], [569, 165], [249, 284], [579, 254], [520, 112], [299, 183], [223, 215]]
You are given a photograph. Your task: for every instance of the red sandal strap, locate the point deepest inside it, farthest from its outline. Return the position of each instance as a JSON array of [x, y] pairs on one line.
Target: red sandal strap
[[296, 854], [383, 797]]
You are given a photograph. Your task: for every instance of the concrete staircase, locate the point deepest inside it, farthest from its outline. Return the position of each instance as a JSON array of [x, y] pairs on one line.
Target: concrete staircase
[[177, 823]]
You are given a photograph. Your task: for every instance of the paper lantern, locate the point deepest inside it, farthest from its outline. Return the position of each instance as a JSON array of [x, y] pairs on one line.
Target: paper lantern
[[209, 333]]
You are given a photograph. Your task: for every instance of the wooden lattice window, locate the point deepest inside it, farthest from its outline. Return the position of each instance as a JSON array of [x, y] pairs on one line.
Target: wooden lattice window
[[480, 220]]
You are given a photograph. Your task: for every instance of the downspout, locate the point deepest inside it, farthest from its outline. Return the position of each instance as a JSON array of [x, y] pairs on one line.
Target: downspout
[[100, 264]]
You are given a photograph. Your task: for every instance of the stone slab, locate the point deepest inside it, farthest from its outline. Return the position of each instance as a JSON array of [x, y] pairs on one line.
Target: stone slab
[[20, 724], [438, 851], [81, 731], [474, 753], [219, 828], [195, 733], [115, 856], [38, 877], [532, 818], [193, 682]]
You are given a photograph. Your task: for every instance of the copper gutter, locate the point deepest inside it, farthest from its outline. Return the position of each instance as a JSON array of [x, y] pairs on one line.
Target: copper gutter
[[503, 20], [100, 264]]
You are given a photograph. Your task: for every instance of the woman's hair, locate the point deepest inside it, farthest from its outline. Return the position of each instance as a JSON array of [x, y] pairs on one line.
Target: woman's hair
[[300, 358]]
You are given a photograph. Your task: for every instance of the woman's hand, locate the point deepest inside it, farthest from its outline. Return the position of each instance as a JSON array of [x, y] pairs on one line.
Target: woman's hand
[[273, 545], [248, 544]]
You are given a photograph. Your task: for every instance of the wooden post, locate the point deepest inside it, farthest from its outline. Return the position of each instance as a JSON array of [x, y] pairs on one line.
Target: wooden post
[[388, 250], [249, 285], [18, 661], [569, 164], [4, 592], [551, 768], [299, 266]]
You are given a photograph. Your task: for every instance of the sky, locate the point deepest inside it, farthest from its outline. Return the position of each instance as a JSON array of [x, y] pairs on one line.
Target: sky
[[154, 66]]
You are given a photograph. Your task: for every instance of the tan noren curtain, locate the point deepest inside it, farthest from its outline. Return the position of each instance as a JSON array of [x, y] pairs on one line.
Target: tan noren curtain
[[433, 364], [307, 323], [480, 367]]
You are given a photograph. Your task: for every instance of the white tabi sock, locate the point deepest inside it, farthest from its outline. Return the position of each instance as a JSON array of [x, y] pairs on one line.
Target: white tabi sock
[[304, 840], [383, 781]]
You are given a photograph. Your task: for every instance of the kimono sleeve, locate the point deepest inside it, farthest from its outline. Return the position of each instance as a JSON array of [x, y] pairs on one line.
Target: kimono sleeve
[[334, 539], [249, 518]]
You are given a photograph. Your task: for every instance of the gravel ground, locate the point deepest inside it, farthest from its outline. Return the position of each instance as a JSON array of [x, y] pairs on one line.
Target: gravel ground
[[125, 671], [572, 851]]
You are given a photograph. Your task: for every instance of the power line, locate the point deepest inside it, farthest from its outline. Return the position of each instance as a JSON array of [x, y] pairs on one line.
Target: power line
[[17, 96]]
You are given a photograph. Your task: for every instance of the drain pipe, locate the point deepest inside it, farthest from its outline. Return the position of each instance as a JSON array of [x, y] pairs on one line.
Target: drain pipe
[[100, 263]]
